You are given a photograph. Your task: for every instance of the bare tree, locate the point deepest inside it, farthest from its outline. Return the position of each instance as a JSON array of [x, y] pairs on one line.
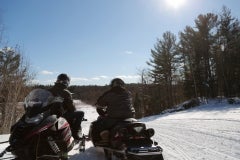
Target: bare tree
[[14, 76]]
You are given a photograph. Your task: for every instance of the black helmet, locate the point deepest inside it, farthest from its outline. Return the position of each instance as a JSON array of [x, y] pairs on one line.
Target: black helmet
[[117, 82], [63, 79]]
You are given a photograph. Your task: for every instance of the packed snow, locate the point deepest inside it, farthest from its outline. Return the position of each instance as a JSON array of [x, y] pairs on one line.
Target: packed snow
[[207, 132]]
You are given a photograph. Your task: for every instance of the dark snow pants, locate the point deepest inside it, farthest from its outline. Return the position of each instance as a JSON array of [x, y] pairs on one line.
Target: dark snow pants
[[74, 119]]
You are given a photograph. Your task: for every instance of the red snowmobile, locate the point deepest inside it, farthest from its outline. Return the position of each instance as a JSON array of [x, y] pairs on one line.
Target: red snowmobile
[[41, 133]]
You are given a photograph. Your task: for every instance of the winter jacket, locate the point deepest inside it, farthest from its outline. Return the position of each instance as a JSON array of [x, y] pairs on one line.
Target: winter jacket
[[118, 102], [58, 90]]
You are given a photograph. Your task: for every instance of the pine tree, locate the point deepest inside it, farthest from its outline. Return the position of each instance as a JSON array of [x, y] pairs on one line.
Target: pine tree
[[164, 66]]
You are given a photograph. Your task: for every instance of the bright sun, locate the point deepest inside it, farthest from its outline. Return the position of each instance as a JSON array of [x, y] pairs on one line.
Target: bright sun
[[175, 3]]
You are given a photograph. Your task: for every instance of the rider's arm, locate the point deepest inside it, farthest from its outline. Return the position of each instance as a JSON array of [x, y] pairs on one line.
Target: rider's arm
[[102, 103], [68, 102], [103, 100]]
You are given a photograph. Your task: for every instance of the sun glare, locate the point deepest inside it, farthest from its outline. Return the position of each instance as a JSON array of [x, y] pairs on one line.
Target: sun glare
[[175, 3]]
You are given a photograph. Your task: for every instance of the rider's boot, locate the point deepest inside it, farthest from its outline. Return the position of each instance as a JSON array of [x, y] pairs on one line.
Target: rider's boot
[[77, 134]]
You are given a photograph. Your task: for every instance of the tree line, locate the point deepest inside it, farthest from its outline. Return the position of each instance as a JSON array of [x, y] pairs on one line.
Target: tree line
[[203, 61]]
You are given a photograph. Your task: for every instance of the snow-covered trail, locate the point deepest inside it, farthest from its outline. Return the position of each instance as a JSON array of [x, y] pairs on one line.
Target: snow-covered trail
[[207, 132], [91, 153], [199, 134], [195, 139]]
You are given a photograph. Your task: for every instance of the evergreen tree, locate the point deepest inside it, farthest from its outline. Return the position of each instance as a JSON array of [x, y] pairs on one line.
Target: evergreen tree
[[229, 56], [164, 66], [196, 48]]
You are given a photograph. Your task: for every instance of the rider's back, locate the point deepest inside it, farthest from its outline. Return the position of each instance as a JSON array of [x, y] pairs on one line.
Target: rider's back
[[119, 103]]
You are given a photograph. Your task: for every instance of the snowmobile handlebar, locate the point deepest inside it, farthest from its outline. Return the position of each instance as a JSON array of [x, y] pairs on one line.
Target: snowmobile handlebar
[[84, 119], [4, 142], [101, 110]]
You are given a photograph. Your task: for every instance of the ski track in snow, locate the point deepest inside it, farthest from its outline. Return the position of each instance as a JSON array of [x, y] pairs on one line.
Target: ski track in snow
[[194, 139], [210, 132]]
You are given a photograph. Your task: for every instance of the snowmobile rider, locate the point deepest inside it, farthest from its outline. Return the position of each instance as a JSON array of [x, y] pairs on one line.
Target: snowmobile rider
[[114, 105], [73, 116]]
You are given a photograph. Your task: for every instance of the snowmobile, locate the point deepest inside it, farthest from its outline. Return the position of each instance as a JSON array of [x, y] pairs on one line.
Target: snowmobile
[[41, 133], [128, 140]]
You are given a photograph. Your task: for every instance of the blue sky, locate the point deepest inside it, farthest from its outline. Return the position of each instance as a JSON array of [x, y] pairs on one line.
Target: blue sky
[[96, 40]]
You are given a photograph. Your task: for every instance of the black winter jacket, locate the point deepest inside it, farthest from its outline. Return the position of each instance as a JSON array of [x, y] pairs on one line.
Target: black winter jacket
[[118, 102], [59, 91]]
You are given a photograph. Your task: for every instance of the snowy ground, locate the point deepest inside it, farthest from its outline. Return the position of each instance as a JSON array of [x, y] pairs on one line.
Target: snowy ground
[[207, 132]]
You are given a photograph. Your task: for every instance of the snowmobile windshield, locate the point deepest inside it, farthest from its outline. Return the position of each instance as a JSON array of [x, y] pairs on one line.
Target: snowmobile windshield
[[36, 103]]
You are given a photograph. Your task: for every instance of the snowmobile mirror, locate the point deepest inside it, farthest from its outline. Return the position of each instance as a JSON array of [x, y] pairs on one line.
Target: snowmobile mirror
[[150, 132]]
